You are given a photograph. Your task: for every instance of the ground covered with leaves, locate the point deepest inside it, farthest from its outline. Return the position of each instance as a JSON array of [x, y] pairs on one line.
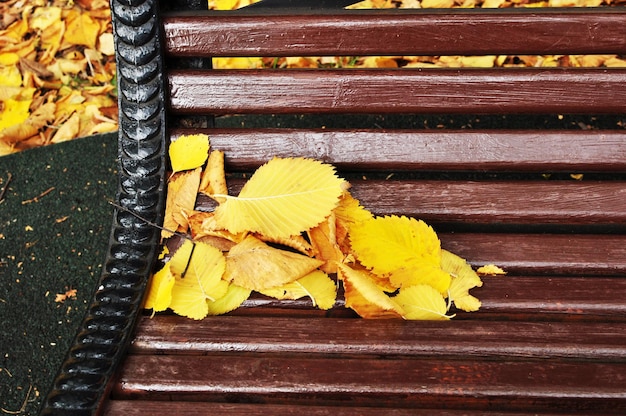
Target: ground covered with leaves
[[57, 70], [57, 64]]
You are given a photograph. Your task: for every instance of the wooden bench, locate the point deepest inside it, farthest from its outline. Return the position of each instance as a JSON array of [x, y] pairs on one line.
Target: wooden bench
[[550, 337]]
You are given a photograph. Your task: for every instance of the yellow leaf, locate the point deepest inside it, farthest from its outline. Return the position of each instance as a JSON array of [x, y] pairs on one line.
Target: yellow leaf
[[255, 265], [160, 287], [422, 302], [16, 109], [204, 227], [437, 4], [387, 244], [350, 212], [189, 152], [379, 62], [421, 274], [70, 101], [106, 44], [364, 296], [182, 190], [81, 30], [8, 59], [17, 30], [490, 269], [323, 238], [297, 242], [164, 253], [237, 63], [284, 197], [223, 4], [347, 213], [43, 17], [478, 61], [68, 130], [463, 279], [199, 281], [10, 76], [234, 297], [51, 41], [38, 119], [180, 259], [316, 285], [493, 4], [214, 178]]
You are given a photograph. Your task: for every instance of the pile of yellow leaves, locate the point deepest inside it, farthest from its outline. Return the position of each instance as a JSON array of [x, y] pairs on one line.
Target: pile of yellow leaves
[[292, 226], [57, 67]]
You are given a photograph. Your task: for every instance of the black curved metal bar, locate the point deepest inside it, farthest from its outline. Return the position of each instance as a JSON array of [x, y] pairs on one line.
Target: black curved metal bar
[[83, 380]]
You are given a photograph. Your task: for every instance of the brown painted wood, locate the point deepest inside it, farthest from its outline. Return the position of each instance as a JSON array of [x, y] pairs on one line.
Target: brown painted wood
[[405, 32], [303, 379], [498, 202], [595, 204], [481, 340], [549, 337], [446, 91], [429, 150], [168, 408], [510, 298], [549, 298], [567, 254]]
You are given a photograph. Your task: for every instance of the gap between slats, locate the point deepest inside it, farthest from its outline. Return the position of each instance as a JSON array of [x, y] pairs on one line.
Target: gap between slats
[[398, 32]]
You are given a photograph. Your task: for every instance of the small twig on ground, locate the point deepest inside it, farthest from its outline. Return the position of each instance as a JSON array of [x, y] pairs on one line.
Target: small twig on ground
[[41, 195], [6, 186], [24, 404]]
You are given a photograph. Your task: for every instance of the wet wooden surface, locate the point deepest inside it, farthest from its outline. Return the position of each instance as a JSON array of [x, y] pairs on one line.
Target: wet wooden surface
[[529, 150], [400, 32], [428, 90], [549, 337]]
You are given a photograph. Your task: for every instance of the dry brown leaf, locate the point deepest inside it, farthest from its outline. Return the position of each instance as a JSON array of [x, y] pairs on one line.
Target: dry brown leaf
[[39, 118], [254, 265], [324, 241], [181, 200], [68, 130], [214, 179]]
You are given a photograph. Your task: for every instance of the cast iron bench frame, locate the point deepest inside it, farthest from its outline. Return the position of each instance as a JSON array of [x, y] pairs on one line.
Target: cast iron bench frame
[[587, 330]]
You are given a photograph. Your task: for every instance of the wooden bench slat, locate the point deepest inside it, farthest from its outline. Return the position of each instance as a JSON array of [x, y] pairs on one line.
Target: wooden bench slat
[[300, 379], [475, 32], [492, 202], [168, 408], [481, 340], [392, 150], [510, 298], [446, 91], [551, 298], [599, 205], [536, 254]]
